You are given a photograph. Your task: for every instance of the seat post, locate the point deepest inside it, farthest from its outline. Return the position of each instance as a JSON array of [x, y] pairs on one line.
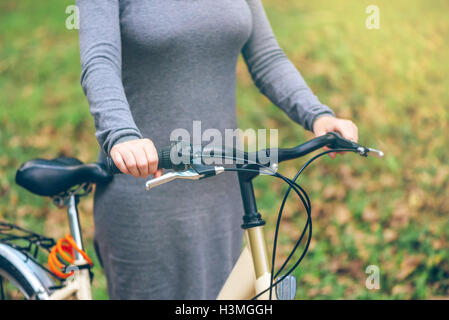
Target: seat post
[[74, 223]]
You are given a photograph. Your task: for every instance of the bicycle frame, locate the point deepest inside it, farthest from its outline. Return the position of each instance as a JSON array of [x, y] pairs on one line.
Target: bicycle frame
[[251, 273]]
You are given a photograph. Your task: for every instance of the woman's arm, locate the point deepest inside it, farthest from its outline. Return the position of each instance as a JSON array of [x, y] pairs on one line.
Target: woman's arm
[[101, 79], [100, 50], [279, 80]]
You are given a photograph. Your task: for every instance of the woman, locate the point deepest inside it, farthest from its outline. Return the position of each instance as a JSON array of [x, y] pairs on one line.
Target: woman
[[152, 66]]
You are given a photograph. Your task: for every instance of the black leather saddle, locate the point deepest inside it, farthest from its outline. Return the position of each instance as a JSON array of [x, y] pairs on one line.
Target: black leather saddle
[[52, 177]]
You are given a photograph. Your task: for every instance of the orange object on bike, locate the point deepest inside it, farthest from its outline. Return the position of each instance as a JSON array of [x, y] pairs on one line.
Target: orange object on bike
[[64, 250]]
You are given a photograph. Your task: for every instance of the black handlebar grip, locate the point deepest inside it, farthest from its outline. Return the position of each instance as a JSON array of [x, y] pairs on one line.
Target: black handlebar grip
[[164, 161], [164, 158]]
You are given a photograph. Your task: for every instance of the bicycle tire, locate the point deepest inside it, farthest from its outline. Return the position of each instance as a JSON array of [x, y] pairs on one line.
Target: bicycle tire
[[9, 271]]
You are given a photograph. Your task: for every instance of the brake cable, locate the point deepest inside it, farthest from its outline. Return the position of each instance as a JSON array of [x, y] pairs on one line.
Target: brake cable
[[309, 221]]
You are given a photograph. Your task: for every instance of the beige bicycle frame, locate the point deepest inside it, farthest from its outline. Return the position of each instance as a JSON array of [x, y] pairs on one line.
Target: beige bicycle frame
[[78, 286], [252, 272]]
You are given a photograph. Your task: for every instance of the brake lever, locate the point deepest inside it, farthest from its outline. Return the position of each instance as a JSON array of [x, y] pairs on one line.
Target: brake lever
[[363, 151], [196, 172], [170, 176]]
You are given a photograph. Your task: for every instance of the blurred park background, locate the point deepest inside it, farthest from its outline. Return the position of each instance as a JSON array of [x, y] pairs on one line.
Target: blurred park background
[[392, 82]]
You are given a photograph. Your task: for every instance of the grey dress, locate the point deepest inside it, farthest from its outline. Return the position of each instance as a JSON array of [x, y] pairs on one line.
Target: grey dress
[[149, 67]]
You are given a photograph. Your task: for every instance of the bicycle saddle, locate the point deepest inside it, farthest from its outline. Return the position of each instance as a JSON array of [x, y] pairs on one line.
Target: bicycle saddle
[[52, 177]]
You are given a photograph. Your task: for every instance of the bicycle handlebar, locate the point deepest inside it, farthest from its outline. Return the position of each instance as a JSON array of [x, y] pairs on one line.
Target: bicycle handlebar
[[332, 140]]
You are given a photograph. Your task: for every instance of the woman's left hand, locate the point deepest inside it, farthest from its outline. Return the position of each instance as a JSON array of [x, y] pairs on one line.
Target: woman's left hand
[[346, 128]]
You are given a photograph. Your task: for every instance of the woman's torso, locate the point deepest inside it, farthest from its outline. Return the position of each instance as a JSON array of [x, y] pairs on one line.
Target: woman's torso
[[178, 65]]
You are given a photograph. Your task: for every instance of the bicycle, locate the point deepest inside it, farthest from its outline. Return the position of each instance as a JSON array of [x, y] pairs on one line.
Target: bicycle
[[68, 179]]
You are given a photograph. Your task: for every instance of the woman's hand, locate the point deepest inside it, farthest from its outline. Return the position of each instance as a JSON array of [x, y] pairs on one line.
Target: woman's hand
[[136, 157], [346, 128]]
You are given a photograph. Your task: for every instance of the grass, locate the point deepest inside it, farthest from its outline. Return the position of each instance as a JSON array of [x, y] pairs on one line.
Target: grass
[[392, 82]]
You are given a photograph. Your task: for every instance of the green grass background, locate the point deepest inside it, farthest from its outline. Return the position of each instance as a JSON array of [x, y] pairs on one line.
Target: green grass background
[[392, 82]]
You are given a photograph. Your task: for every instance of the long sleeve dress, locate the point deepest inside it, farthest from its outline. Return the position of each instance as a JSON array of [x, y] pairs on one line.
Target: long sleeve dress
[[152, 66]]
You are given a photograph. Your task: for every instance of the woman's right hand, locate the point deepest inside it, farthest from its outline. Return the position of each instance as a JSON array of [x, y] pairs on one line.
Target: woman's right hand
[[136, 157]]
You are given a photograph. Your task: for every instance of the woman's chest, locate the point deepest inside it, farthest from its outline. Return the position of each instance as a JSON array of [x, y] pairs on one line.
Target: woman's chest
[[185, 24]]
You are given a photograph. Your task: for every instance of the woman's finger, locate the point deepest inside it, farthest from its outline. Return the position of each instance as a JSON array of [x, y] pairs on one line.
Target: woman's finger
[[355, 132], [130, 162], [151, 154], [158, 173], [118, 161], [142, 161], [351, 131], [347, 129], [331, 154]]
